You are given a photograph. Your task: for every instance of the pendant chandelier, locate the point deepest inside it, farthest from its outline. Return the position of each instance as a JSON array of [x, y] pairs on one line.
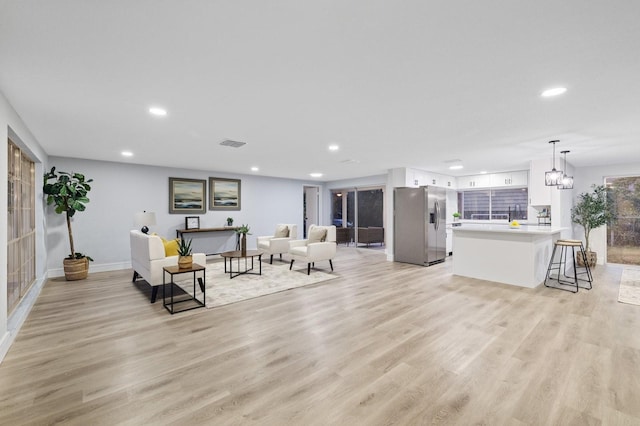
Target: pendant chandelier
[[567, 181], [553, 177]]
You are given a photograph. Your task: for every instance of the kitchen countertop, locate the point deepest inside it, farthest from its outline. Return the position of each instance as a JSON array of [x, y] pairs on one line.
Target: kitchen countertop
[[495, 252], [523, 229]]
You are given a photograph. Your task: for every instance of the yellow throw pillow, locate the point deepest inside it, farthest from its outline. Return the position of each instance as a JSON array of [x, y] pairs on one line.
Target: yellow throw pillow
[[170, 247]]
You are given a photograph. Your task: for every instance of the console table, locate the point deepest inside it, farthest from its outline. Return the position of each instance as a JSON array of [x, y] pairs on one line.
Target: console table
[[181, 232]]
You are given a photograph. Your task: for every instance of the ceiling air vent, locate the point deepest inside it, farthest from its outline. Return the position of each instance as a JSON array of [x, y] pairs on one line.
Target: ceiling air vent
[[232, 144]]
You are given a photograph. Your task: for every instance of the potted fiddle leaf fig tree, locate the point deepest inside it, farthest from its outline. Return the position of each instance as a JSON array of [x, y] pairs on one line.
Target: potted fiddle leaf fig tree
[[592, 210], [68, 193]]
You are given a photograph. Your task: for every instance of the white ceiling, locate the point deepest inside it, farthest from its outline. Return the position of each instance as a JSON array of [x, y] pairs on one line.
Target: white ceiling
[[394, 83]]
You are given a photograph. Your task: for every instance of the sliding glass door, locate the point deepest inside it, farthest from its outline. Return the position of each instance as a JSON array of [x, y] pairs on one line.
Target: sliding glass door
[[358, 213], [623, 234], [21, 264]]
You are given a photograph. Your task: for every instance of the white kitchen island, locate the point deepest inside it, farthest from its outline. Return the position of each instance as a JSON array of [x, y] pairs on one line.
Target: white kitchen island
[[498, 253]]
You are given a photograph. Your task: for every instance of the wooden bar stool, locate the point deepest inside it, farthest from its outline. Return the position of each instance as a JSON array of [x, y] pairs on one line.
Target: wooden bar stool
[[561, 267]]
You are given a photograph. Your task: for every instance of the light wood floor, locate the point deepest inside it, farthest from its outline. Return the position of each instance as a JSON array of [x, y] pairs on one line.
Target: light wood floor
[[386, 343]]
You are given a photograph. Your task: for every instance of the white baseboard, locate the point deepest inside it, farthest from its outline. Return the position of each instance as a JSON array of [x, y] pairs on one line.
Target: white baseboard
[[103, 267], [20, 314], [4, 345]]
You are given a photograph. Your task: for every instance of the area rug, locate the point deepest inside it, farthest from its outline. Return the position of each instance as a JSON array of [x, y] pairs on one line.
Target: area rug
[[630, 286], [221, 290]]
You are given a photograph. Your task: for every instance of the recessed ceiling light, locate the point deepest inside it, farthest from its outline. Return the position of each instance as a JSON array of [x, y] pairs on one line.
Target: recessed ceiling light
[[333, 147], [315, 175], [160, 112], [553, 92], [126, 154], [254, 169], [456, 167], [484, 172]]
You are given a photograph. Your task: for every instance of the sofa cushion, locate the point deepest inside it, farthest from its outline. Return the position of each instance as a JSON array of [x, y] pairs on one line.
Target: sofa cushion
[[317, 235], [170, 247], [282, 231]]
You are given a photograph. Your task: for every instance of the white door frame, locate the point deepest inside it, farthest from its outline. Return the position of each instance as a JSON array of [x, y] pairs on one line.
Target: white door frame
[[313, 216]]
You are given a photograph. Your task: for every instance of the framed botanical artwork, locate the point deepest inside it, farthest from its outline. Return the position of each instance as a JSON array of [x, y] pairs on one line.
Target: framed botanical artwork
[[224, 194], [187, 196]]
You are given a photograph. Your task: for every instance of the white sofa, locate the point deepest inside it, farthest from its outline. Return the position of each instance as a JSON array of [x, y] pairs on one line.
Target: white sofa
[[273, 244], [148, 259], [311, 251]]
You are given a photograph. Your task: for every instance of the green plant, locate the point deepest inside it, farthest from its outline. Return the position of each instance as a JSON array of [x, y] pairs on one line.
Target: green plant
[[592, 210], [244, 229], [230, 221], [68, 192], [184, 247], [456, 214]]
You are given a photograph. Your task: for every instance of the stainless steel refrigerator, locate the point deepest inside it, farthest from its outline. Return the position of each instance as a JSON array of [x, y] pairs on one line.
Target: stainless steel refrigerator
[[419, 225]]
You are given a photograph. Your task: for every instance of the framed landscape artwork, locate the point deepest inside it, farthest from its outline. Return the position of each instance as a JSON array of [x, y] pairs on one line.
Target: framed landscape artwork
[[224, 194], [187, 195]]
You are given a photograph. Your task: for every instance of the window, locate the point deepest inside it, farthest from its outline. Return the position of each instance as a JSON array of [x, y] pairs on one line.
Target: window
[[494, 204], [21, 265], [370, 208], [623, 234]]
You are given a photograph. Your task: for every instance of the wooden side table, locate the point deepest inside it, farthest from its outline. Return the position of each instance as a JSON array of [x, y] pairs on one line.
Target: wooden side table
[[192, 302]]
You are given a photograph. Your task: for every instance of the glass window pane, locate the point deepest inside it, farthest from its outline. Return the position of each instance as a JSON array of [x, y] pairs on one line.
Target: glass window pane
[[496, 204], [475, 204], [623, 233], [351, 209], [370, 208], [20, 225], [336, 208], [509, 204]]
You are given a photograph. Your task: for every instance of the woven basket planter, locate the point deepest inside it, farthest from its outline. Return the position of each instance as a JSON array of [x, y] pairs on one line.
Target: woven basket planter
[[185, 262], [592, 258], [76, 269]]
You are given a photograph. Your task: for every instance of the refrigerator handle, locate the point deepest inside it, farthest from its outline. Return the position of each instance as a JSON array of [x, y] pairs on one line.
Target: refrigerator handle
[[437, 221]]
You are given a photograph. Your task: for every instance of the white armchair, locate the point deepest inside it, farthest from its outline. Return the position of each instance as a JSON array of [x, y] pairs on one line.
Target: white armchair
[[320, 245], [278, 243], [148, 258]]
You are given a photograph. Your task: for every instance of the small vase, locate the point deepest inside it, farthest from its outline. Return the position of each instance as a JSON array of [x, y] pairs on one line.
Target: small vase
[[243, 244], [185, 262]]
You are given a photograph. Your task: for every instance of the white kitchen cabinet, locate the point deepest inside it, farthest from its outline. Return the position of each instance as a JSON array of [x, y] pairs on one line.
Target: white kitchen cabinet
[[507, 179], [474, 181], [539, 193], [422, 178]]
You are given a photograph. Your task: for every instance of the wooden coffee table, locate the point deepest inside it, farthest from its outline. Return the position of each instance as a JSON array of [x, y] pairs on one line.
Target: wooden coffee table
[[237, 254]]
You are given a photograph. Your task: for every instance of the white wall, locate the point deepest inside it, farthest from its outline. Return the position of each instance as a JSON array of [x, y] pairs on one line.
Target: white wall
[[561, 203], [12, 126], [583, 179], [120, 190]]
